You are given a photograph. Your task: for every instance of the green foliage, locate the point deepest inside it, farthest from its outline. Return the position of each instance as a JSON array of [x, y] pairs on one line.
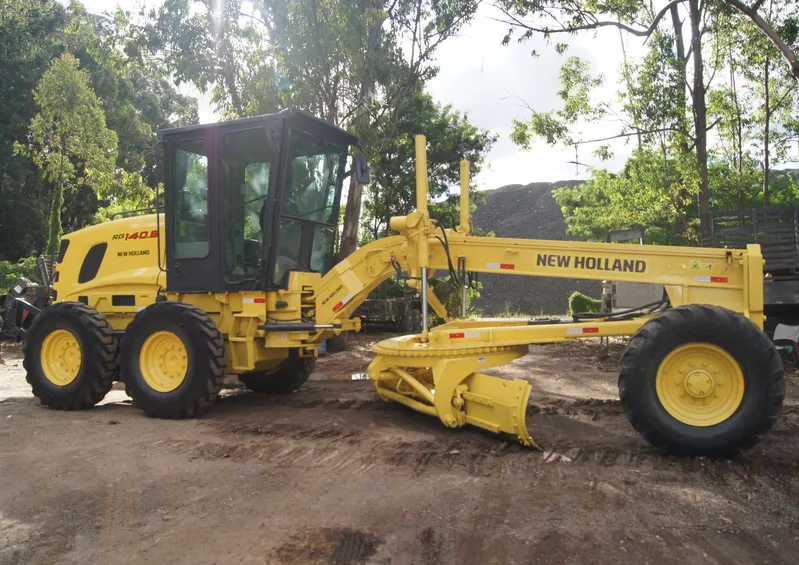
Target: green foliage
[[68, 138], [649, 194], [555, 127], [703, 140], [323, 56], [450, 296], [26, 27], [579, 303], [134, 91], [10, 272], [392, 191]]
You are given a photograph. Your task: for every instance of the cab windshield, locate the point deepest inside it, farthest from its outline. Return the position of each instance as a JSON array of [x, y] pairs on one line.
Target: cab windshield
[[312, 179], [310, 205]]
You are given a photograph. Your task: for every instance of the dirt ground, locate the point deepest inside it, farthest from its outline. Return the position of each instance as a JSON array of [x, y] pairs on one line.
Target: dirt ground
[[331, 475]]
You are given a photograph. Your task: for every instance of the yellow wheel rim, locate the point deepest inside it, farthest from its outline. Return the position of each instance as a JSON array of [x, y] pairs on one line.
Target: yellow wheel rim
[[164, 361], [61, 357], [700, 384]]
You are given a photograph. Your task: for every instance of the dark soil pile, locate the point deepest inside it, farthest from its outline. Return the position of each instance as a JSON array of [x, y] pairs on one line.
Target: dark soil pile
[[529, 212]]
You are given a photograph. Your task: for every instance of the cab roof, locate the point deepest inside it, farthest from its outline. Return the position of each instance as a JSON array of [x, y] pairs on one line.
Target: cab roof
[[292, 116]]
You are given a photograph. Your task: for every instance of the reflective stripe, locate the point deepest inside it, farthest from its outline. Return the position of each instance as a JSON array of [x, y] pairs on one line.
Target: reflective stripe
[[342, 302], [574, 331], [708, 278]]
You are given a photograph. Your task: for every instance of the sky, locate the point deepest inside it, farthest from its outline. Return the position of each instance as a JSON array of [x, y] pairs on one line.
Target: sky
[[494, 84]]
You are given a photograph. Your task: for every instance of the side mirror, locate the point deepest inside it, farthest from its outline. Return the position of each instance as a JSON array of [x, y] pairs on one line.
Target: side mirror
[[361, 167]]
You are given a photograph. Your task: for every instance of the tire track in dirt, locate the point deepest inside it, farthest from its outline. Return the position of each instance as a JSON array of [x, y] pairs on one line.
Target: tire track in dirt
[[351, 445], [328, 546]]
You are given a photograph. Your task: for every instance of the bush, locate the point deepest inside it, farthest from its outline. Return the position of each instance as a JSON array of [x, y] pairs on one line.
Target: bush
[[10, 272], [579, 303], [450, 296]]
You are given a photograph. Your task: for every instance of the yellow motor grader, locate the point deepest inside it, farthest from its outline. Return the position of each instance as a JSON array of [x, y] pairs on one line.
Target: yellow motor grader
[[236, 276]]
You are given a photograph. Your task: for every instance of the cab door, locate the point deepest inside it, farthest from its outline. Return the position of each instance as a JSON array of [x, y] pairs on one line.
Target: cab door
[[249, 157], [191, 198]]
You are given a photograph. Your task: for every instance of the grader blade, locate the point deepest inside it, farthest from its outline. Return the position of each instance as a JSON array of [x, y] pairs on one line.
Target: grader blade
[[445, 384], [497, 405]]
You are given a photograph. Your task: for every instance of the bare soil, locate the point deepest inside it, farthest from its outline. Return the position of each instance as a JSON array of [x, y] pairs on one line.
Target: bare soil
[[331, 475]]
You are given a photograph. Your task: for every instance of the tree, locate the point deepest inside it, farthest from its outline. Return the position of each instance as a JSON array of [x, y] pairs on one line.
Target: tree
[[351, 63], [755, 108], [685, 25], [649, 193], [27, 27], [392, 188], [137, 99], [134, 91], [68, 138]]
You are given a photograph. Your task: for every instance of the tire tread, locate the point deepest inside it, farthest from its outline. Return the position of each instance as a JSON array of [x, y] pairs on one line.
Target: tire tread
[[696, 314], [104, 347]]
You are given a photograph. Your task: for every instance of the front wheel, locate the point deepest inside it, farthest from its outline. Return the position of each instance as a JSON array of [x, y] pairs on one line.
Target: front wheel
[[701, 380]]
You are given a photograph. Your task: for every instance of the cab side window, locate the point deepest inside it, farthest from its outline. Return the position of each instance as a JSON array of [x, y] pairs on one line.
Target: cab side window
[[190, 189]]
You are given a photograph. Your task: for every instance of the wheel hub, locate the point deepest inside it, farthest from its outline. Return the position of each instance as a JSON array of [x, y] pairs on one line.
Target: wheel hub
[[61, 357], [699, 383], [164, 361]]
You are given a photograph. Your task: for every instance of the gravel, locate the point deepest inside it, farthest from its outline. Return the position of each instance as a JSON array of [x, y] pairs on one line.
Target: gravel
[[529, 212]]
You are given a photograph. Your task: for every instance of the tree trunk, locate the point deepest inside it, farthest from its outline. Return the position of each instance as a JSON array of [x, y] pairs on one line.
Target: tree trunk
[[681, 219], [352, 217], [766, 132], [54, 235], [737, 127], [700, 122], [352, 213], [56, 202]]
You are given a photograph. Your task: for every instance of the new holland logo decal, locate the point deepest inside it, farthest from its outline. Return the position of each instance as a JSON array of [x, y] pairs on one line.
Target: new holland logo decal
[[591, 263]]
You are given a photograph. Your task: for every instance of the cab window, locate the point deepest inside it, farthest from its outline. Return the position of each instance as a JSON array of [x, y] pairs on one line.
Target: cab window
[[190, 187], [310, 205], [312, 179], [246, 170]]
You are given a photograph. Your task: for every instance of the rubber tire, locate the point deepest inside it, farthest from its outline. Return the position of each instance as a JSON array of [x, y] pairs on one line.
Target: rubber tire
[[99, 356], [206, 367], [291, 375], [337, 343], [764, 384]]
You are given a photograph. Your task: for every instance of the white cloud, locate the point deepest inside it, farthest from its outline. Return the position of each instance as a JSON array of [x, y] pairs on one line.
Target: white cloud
[[492, 83]]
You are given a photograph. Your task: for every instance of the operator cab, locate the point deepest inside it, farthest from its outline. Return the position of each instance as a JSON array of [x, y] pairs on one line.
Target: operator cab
[[249, 200]]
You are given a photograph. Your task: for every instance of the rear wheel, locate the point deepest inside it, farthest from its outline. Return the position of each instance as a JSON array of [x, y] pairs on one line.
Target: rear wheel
[[71, 356], [701, 380], [173, 360], [289, 376]]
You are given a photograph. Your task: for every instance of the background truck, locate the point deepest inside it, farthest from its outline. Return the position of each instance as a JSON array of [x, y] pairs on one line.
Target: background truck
[[399, 314], [775, 230]]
